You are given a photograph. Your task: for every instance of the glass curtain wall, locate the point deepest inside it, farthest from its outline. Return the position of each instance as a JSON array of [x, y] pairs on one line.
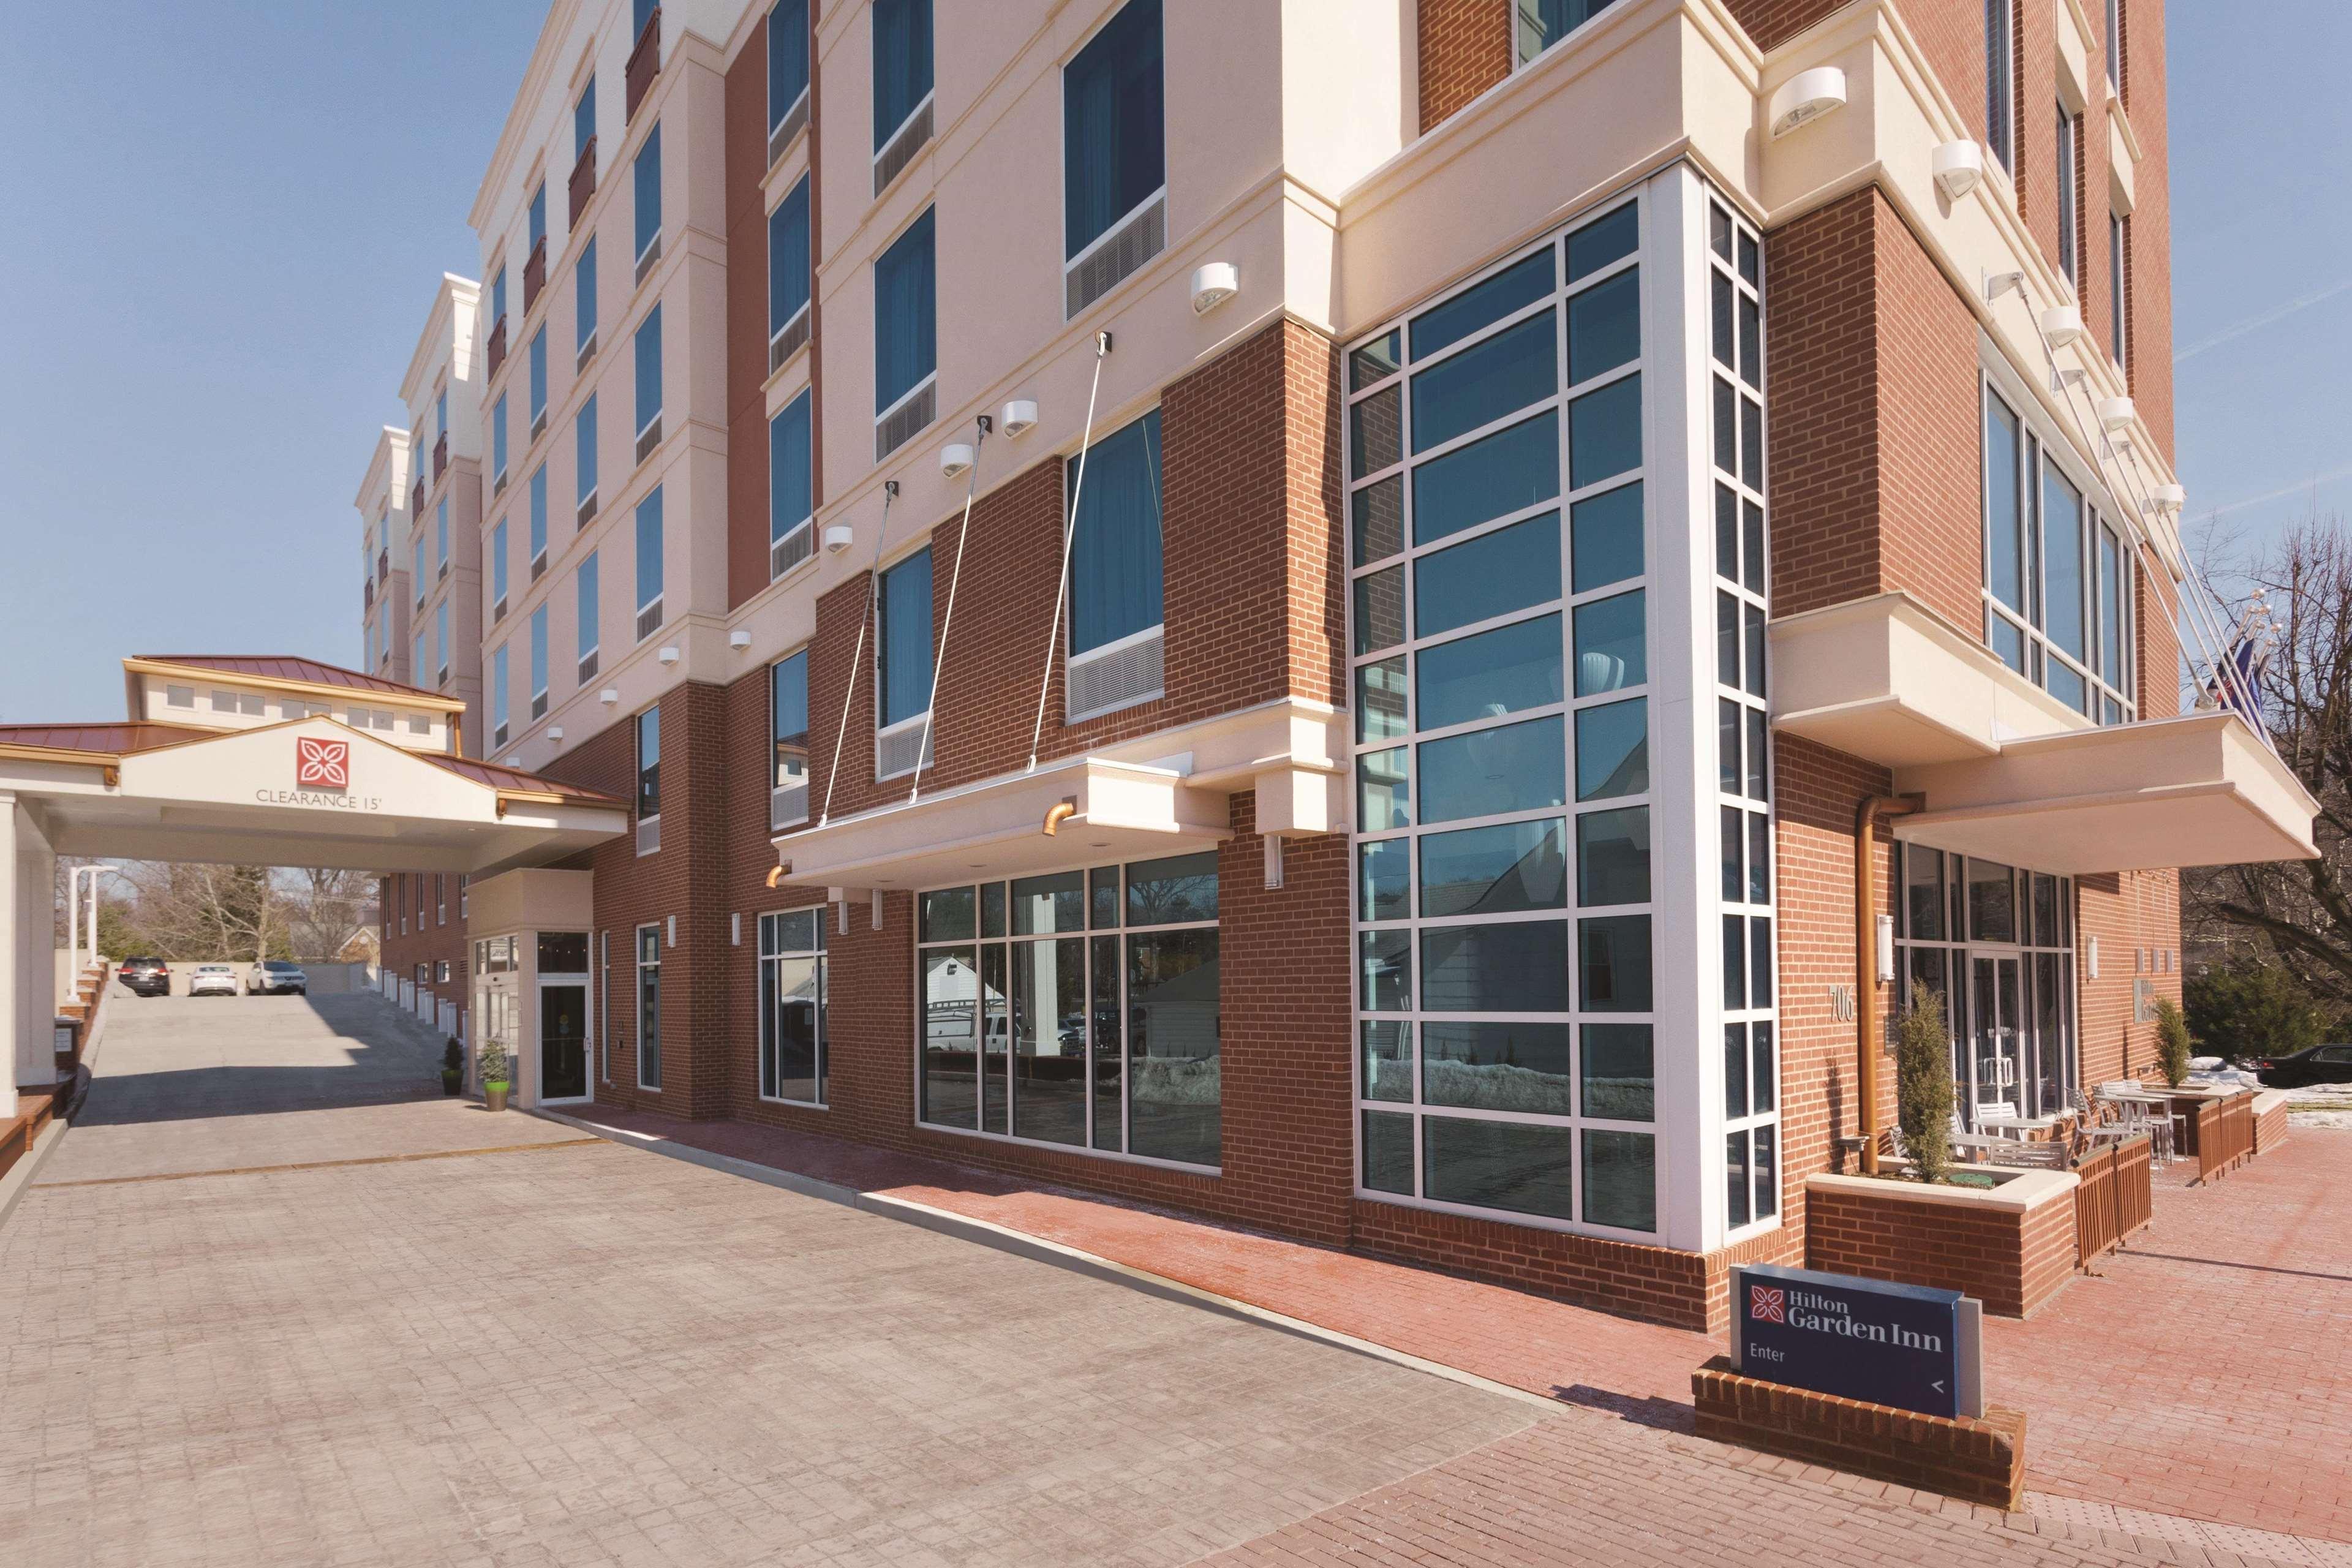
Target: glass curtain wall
[[1079, 1008], [1501, 664]]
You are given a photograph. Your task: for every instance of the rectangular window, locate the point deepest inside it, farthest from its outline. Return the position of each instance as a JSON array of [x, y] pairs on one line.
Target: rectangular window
[[791, 1006], [1114, 154], [499, 569], [649, 1063], [539, 519], [499, 440], [538, 377], [498, 698], [649, 372], [584, 439], [583, 301], [441, 535], [2116, 45], [906, 325], [790, 506], [645, 178], [2065, 144], [1543, 23], [788, 58], [417, 571], [497, 303], [1056, 1017], [538, 662], [584, 591], [788, 262], [583, 120], [906, 640], [902, 64], [537, 218], [2000, 80], [649, 764], [1114, 558], [649, 563], [440, 643], [2119, 289], [788, 719]]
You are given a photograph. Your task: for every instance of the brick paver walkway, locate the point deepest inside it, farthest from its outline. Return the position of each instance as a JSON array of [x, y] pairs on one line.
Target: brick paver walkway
[[2205, 1373]]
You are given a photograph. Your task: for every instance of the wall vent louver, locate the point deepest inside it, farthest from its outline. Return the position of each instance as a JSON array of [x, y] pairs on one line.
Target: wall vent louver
[[904, 421], [1126, 248], [902, 148], [1117, 676]]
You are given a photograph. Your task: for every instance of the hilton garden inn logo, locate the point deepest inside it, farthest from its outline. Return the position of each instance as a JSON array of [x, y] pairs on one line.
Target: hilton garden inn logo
[[321, 765], [1801, 1309]]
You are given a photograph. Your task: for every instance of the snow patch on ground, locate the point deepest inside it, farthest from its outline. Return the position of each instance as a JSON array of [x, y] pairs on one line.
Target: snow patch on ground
[[2320, 1105]]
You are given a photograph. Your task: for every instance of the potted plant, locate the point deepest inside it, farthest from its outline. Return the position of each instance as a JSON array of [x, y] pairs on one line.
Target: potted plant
[[1923, 1084], [453, 1067], [494, 1075]]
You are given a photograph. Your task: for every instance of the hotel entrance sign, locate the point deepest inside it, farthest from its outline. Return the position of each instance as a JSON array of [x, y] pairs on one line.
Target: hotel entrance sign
[[1904, 1345]]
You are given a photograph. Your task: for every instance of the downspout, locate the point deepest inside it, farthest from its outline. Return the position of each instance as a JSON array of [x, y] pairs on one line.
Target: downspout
[[1868, 816]]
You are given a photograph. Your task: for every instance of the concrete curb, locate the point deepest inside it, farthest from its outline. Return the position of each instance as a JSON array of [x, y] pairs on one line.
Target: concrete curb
[[20, 1175], [1037, 1250]]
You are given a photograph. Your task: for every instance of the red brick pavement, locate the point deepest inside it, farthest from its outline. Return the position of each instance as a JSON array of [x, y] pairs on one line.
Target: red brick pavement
[[2204, 1372]]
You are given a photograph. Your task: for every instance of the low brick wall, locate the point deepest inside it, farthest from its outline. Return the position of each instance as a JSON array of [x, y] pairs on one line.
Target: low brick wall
[[2269, 1122], [1980, 1460], [2011, 1247]]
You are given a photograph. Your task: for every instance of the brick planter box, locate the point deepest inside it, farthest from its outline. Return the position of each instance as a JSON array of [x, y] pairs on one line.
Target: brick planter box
[[1979, 1460], [2012, 1246]]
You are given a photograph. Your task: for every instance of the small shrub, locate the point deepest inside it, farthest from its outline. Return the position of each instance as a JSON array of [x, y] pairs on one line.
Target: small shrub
[[453, 1055], [2171, 1042], [494, 1063], [1923, 1083]]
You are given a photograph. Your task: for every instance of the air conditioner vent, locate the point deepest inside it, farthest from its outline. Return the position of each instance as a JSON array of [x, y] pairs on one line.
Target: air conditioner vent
[[587, 352], [1120, 675], [794, 121], [539, 706], [902, 422], [788, 341], [1117, 254], [587, 510], [537, 567], [649, 834], [647, 258], [649, 620], [895, 750], [791, 549], [588, 666], [901, 150], [649, 438]]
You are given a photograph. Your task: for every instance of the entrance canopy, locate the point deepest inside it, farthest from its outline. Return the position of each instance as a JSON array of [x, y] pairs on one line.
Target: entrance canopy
[[346, 781]]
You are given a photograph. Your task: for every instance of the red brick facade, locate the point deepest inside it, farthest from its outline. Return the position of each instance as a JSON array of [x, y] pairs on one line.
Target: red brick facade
[[1465, 48], [2011, 1261]]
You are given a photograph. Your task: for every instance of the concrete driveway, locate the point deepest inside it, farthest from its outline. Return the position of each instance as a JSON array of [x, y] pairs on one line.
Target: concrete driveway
[[262, 1307]]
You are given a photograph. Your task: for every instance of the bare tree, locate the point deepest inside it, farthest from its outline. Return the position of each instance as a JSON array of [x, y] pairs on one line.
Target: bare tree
[[2299, 911], [321, 908]]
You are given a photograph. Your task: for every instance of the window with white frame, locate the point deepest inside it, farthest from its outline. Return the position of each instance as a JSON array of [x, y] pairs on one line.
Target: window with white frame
[[1114, 154], [2119, 290], [440, 645], [2066, 144], [498, 698], [2058, 576], [584, 620], [788, 275], [498, 442], [538, 662], [649, 564], [417, 571], [584, 304], [498, 568], [792, 512], [791, 1006], [1115, 632], [906, 336], [1501, 674], [1079, 1008], [649, 764], [1743, 798], [647, 182], [649, 1061], [788, 64], [788, 731], [583, 435], [2000, 80], [538, 358], [904, 639], [441, 536], [649, 382], [902, 66], [1540, 24], [537, 492]]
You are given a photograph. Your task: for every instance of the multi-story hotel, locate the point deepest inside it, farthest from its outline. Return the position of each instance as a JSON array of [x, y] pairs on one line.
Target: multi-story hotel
[[1303, 612]]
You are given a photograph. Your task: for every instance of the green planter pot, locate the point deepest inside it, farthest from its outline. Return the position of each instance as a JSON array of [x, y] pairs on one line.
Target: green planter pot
[[494, 1096]]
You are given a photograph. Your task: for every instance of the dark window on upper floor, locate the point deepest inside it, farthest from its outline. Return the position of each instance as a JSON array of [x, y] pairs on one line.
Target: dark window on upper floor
[[1114, 132], [788, 58], [649, 762], [902, 63], [906, 638], [788, 258], [2000, 80], [905, 323]]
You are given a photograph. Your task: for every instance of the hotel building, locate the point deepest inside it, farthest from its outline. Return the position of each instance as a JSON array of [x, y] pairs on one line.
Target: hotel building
[[1303, 612]]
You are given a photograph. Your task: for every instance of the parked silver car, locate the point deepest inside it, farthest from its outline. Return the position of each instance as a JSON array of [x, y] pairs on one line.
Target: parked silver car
[[273, 976], [212, 980]]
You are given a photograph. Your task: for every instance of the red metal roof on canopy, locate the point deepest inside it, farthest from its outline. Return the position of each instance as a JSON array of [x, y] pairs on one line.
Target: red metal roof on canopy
[[115, 739], [287, 667], [497, 775]]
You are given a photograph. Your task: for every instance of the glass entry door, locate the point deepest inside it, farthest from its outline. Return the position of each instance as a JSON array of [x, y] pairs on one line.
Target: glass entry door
[[1997, 1039], [564, 1040]]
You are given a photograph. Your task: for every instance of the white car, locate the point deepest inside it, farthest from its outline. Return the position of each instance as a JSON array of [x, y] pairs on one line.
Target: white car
[[271, 976], [212, 980]]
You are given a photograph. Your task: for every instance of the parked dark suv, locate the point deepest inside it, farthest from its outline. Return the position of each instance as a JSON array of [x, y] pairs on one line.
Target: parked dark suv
[[145, 976], [2319, 1064]]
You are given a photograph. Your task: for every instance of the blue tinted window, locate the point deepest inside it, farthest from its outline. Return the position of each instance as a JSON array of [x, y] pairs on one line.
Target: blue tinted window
[[583, 434], [788, 258], [1613, 964], [1605, 537], [1518, 767], [1612, 857], [1610, 644], [1599, 243], [539, 650], [1520, 967], [539, 373], [1115, 565], [788, 58], [906, 638], [1113, 125], [498, 563], [1503, 672], [583, 296], [1493, 575], [1604, 327], [1543, 23], [1495, 870], [1509, 290], [1604, 432], [585, 598], [649, 368], [902, 63], [1516, 366], [905, 346], [538, 511], [646, 178], [1613, 750], [1499, 473], [537, 218], [584, 119], [649, 549], [788, 705], [499, 436], [1520, 1167], [498, 688], [788, 467]]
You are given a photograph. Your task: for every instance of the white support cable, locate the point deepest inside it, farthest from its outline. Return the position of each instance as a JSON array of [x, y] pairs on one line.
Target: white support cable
[[946, 622], [1069, 532], [2199, 598], [872, 590]]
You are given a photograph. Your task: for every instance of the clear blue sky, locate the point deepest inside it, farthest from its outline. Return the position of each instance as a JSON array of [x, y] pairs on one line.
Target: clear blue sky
[[225, 222]]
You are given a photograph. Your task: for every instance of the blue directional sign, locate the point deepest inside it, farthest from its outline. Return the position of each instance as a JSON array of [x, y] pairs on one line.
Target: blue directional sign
[[1904, 1345]]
